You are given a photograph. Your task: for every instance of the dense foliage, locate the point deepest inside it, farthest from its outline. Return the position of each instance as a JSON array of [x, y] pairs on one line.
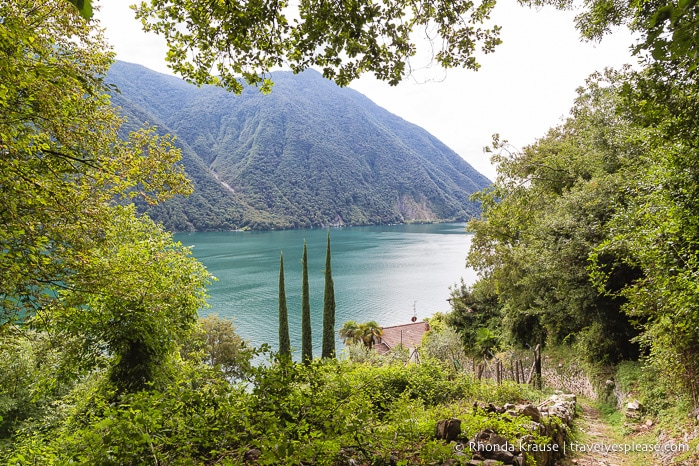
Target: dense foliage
[[86, 285], [73, 261], [589, 235], [308, 155], [217, 44], [62, 161], [545, 216], [328, 412]]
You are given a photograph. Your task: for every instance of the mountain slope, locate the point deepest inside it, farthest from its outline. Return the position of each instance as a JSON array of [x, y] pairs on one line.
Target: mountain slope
[[308, 154]]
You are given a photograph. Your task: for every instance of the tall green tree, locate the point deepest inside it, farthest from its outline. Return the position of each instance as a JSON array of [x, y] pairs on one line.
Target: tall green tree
[[284, 340], [548, 210], [63, 162], [138, 299], [72, 261], [306, 330], [656, 230], [328, 350]]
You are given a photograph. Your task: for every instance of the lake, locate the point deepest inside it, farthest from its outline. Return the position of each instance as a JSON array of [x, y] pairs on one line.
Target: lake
[[381, 273]]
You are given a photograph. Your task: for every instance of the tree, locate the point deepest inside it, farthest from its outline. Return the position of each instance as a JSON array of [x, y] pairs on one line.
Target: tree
[[349, 332], [655, 232], [476, 307], [137, 299], [71, 259], [223, 348], [306, 330], [549, 209], [63, 162], [590, 234], [217, 43], [328, 350], [284, 340], [368, 332], [353, 333], [668, 30]]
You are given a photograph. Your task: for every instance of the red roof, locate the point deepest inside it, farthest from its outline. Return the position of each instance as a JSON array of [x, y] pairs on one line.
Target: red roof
[[409, 335]]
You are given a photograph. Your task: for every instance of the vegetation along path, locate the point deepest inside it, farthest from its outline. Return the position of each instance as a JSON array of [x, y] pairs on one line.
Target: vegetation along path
[[598, 434]]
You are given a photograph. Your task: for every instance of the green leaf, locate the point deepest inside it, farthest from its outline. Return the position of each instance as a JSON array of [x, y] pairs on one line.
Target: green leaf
[[84, 7]]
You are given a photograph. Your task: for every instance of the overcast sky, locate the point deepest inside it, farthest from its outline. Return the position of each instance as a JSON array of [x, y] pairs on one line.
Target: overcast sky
[[526, 87]]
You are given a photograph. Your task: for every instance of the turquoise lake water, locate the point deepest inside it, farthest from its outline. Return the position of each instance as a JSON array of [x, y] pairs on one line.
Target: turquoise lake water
[[381, 273]]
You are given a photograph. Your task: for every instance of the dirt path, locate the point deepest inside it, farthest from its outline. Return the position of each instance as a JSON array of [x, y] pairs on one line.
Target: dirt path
[[589, 448], [596, 440]]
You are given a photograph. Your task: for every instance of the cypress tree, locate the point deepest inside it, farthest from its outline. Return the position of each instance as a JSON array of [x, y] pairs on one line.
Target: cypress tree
[[328, 309], [306, 335], [284, 340]]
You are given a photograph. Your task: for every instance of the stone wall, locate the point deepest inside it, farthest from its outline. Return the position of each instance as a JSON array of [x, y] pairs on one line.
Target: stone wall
[[551, 419]]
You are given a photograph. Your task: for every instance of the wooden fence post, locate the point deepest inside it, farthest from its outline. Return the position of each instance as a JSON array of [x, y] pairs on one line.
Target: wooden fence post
[[537, 365]]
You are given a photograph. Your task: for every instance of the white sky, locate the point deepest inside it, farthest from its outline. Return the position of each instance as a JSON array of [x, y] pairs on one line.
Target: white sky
[[526, 87]]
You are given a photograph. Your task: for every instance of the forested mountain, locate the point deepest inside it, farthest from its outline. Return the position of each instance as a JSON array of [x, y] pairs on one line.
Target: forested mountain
[[308, 154]]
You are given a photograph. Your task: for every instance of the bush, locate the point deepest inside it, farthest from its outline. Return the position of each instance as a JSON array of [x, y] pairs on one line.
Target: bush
[[327, 412]]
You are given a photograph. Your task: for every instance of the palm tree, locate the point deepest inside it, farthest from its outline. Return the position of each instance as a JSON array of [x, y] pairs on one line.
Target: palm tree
[[368, 331], [486, 341], [364, 333], [350, 333]]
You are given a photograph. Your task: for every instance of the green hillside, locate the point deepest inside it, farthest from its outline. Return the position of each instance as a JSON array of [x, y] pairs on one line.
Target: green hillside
[[308, 154]]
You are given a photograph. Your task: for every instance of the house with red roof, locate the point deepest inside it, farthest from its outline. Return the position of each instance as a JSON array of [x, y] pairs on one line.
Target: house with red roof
[[408, 335]]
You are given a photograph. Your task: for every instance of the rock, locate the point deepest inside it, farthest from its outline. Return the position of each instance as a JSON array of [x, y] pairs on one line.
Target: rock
[[561, 411], [252, 455], [503, 456], [633, 409], [490, 446], [530, 411], [448, 429], [568, 397], [491, 408]]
